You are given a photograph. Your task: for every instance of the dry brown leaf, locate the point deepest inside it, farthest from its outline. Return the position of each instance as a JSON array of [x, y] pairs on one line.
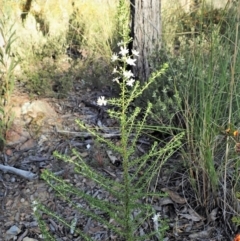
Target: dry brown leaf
[[213, 214], [84, 154], [174, 196], [195, 214], [190, 217], [201, 235], [165, 201]]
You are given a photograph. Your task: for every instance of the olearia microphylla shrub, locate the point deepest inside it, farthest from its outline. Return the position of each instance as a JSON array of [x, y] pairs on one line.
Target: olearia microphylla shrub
[[132, 185]]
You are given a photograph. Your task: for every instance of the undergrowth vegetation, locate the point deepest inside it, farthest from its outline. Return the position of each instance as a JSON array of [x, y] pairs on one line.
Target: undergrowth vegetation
[[73, 36], [131, 206], [200, 93], [197, 90], [58, 42], [8, 64]]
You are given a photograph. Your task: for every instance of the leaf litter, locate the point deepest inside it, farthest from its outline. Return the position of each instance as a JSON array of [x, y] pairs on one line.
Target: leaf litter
[[186, 221]]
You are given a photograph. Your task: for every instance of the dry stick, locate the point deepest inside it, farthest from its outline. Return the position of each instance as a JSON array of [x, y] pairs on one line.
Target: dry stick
[[22, 173], [86, 134], [229, 116]]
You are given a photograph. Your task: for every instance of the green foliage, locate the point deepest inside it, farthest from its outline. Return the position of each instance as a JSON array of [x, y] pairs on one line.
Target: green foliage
[[131, 207], [47, 77], [7, 66], [203, 20], [194, 35], [200, 91], [163, 93], [123, 16], [207, 103], [137, 173], [76, 31]]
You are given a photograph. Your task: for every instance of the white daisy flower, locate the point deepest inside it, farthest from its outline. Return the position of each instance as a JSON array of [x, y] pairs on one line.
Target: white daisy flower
[[123, 51], [115, 70], [34, 203], [156, 217], [128, 74], [130, 61], [101, 101], [116, 79], [135, 53], [114, 57], [130, 82], [120, 43]]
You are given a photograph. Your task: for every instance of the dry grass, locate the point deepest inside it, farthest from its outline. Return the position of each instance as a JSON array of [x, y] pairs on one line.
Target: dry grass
[[185, 4], [51, 26], [48, 20]]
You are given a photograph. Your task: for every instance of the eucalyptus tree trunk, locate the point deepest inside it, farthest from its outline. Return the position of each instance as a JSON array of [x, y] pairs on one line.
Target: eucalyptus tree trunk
[[146, 33]]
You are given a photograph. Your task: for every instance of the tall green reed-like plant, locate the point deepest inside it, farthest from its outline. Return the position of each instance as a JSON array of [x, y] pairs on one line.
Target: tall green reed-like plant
[[206, 107], [137, 172], [7, 66]]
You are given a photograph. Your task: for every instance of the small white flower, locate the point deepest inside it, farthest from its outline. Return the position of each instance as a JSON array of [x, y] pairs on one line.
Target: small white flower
[[156, 217], [34, 203], [101, 101], [135, 53], [120, 43], [128, 74], [88, 146], [114, 57], [130, 61], [130, 82], [116, 79], [115, 70], [123, 51]]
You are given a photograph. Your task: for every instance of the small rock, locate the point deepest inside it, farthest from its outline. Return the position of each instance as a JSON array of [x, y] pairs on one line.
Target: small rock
[[12, 232], [33, 109], [9, 203], [17, 217], [9, 152], [27, 145], [16, 134], [13, 179]]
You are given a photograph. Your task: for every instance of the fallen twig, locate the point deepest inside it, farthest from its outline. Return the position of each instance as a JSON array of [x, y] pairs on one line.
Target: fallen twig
[[26, 174], [87, 134], [35, 159]]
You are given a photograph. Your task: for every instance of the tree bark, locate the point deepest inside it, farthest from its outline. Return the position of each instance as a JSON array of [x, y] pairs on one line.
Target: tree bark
[[146, 33]]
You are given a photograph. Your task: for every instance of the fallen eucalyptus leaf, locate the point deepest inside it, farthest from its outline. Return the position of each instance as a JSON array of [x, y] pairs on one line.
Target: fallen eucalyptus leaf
[[201, 235], [174, 196]]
